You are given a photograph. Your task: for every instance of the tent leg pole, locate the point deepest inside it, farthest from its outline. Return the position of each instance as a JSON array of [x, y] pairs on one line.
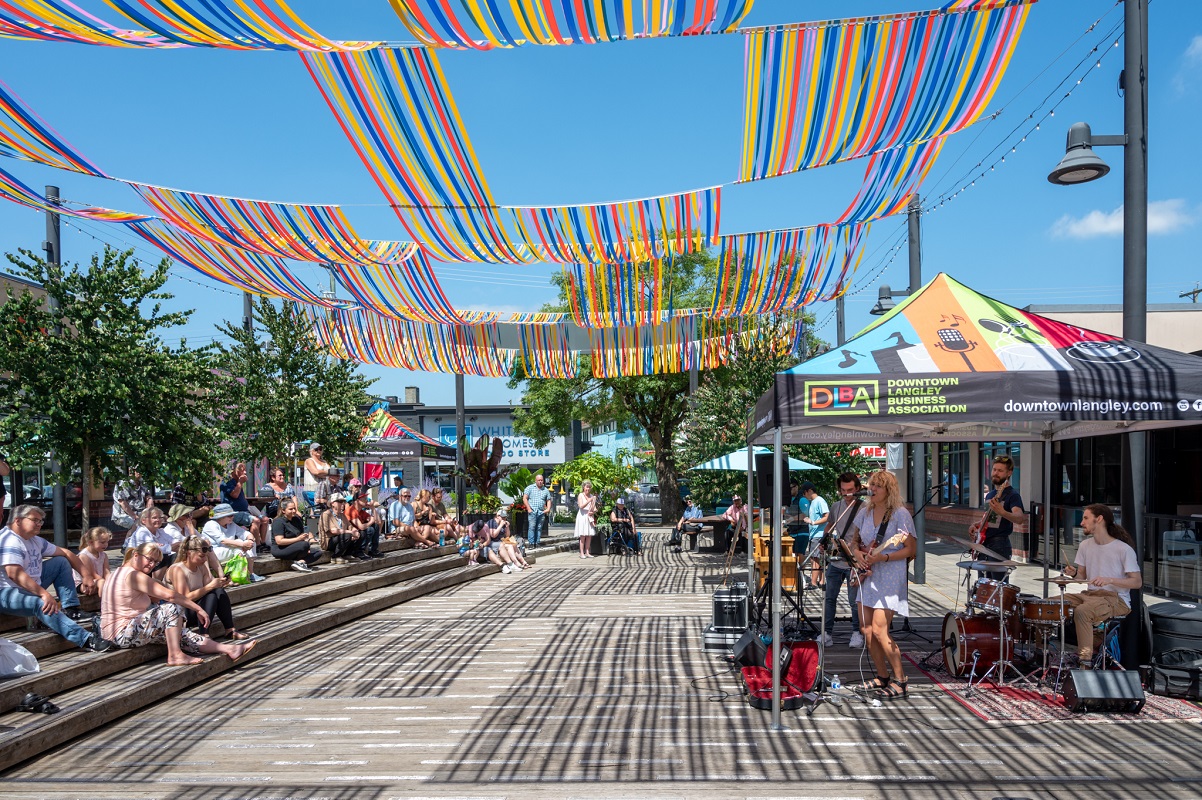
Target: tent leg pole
[[752, 583], [920, 523], [777, 533], [1047, 513]]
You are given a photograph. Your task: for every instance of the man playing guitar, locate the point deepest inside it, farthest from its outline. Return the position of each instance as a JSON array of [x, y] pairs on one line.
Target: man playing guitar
[[1004, 510]]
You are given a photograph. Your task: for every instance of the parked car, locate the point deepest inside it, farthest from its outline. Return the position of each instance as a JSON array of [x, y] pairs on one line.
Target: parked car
[[644, 501]]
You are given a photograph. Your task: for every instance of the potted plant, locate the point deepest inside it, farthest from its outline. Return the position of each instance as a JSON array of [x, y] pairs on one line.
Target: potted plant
[[482, 470]]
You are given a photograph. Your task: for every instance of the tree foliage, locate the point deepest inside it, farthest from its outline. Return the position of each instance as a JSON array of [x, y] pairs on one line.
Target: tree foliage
[[608, 477], [108, 387], [285, 390]]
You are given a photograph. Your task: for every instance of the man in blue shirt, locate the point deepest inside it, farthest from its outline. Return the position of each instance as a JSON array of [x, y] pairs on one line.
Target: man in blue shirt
[[245, 515], [538, 502], [683, 526], [1004, 510], [400, 515], [816, 516]]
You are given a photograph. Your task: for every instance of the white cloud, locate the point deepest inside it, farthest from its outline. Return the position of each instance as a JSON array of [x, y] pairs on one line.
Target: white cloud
[[1191, 62], [1164, 216], [1193, 53]]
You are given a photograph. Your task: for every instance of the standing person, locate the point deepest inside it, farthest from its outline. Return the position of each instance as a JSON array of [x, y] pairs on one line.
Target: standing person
[[1004, 510], [230, 539], [190, 576], [25, 577], [886, 540], [816, 516], [683, 526], [586, 513], [1108, 561], [317, 469], [401, 516], [537, 498], [842, 526], [130, 498], [290, 541], [233, 491]]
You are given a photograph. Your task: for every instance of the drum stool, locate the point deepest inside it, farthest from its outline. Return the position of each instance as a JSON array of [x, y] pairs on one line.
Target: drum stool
[[1109, 628]]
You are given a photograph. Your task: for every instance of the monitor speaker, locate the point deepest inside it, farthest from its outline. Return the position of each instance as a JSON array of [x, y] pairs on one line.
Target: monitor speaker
[[749, 651], [1103, 690]]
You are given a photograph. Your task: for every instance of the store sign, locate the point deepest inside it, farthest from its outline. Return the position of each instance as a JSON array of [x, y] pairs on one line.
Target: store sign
[[869, 451], [515, 449]]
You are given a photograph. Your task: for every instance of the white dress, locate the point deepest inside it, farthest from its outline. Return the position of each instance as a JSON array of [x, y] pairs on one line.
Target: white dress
[[584, 519]]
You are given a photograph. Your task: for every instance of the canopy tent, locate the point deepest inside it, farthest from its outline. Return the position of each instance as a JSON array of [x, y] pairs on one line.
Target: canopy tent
[[386, 439], [737, 461], [954, 365], [950, 364]]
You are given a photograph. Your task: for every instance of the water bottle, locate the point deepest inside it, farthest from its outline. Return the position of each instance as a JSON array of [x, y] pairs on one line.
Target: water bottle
[[442, 539], [836, 684]]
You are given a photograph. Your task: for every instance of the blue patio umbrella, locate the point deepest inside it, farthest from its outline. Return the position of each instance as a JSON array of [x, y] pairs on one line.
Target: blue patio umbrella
[[737, 461]]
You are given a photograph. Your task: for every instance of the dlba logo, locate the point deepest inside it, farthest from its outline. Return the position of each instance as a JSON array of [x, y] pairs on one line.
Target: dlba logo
[[841, 398]]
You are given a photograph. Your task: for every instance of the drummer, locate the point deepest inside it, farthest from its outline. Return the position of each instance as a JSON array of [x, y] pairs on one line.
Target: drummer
[[1108, 561], [1005, 510]]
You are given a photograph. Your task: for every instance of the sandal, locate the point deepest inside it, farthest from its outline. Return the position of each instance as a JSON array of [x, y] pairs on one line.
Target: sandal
[[237, 635], [36, 704], [877, 684], [895, 690]]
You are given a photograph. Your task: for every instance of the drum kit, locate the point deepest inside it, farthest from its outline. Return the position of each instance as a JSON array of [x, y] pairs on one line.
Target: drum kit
[[999, 622]]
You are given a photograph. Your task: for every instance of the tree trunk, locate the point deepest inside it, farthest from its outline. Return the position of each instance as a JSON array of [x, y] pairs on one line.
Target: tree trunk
[[665, 469], [85, 491]]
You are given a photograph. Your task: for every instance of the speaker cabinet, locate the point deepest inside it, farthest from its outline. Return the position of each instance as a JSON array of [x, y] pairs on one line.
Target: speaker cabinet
[[749, 651], [765, 472], [730, 607], [1107, 691]]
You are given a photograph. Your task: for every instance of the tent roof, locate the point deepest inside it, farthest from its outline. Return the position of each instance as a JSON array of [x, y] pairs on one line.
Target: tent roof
[[952, 364], [736, 461], [385, 437], [382, 425]]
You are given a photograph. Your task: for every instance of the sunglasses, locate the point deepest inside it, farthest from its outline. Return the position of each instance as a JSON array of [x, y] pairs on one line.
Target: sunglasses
[[202, 549]]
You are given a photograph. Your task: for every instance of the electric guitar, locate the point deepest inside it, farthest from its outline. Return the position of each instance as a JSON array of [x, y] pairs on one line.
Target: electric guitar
[[858, 574], [990, 515]]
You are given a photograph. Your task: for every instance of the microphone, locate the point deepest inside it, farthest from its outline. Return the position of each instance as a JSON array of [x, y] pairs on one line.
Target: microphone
[[860, 493], [939, 485]]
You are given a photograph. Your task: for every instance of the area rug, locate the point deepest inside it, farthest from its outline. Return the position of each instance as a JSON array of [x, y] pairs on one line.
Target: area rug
[[1017, 705]]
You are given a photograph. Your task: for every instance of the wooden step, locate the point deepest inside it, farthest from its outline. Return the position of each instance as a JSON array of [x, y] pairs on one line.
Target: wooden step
[[96, 703]]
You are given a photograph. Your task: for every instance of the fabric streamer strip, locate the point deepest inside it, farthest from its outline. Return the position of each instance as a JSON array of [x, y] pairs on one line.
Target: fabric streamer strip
[[483, 25], [395, 108], [250, 272], [891, 178], [25, 135], [11, 188], [405, 291], [616, 295], [824, 92], [284, 230], [240, 25]]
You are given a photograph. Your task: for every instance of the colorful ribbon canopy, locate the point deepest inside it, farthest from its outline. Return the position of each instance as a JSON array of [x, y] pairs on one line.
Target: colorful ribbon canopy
[[405, 291], [237, 25], [830, 91], [25, 135], [891, 178], [395, 108], [483, 24], [620, 295], [14, 190], [283, 230]]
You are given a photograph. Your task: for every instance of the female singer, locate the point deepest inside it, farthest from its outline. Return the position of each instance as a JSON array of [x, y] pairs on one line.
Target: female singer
[[886, 540]]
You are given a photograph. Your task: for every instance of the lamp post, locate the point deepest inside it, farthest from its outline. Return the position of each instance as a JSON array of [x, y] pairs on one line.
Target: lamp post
[[1081, 165]]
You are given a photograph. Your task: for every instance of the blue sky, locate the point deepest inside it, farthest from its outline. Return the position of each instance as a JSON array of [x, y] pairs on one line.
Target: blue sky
[[556, 125]]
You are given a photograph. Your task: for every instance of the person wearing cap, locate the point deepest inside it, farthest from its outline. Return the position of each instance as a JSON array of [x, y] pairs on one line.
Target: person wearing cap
[[233, 491], [363, 519], [738, 519], [338, 536], [622, 522], [151, 530], [317, 469], [230, 539], [683, 526]]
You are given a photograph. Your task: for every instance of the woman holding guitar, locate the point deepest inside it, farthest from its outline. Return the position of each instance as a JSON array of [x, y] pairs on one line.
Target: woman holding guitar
[[886, 541]]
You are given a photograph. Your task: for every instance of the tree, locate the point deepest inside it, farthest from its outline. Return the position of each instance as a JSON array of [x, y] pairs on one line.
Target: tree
[[107, 386], [285, 390], [607, 476], [657, 403]]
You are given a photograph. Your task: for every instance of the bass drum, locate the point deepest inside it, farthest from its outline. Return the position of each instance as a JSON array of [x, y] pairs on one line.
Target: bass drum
[[966, 634]]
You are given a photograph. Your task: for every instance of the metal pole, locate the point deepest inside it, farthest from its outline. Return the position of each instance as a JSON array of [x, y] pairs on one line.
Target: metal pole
[[248, 324], [52, 246], [840, 322], [1135, 234], [1047, 511], [920, 456], [460, 431], [777, 532], [752, 583], [693, 379]]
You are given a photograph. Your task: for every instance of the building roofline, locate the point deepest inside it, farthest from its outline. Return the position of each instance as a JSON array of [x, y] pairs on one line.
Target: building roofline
[[19, 279]]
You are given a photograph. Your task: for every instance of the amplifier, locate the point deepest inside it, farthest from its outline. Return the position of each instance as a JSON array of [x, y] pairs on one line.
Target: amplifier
[[1103, 690], [730, 608]]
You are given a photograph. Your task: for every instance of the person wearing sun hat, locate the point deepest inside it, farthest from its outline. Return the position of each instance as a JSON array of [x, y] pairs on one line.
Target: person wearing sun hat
[[317, 469], [338, 536], [230, 539], [181, 524]]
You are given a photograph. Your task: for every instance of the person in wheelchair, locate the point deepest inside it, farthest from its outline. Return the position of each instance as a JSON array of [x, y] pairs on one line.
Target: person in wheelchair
[[624, 530]]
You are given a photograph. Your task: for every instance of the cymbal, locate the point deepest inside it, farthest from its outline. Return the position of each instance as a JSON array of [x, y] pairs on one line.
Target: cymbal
[[987, 566], [977, 549], [1063, 579]]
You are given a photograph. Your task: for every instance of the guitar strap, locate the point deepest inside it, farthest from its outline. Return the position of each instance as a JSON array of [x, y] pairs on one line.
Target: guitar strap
[[880, 533], [851, 516]]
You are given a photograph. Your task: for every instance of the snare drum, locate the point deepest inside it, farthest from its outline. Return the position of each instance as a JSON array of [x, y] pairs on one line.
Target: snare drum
[[1042, 611], [966, 634], [995, 596]]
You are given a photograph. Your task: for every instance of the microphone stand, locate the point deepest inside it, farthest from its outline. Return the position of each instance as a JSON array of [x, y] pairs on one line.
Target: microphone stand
[[906, 629]]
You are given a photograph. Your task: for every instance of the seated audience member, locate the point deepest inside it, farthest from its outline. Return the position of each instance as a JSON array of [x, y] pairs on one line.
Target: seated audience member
[[339, 537], [230, 539], [289, 539], [469, 544], [24, 579], [443, 522], [92, 546], [181, 523], [739, 520], [190, 576], [151, 530], [233, 491], [279, 487], [622, 522], [425, 534], [683, 525], [401, 516], [131, 617], [361, 516], [130, 498], [492, 535]]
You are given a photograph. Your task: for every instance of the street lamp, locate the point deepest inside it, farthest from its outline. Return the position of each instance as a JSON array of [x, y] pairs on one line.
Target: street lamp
[[1080, 163], [884, 300]]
